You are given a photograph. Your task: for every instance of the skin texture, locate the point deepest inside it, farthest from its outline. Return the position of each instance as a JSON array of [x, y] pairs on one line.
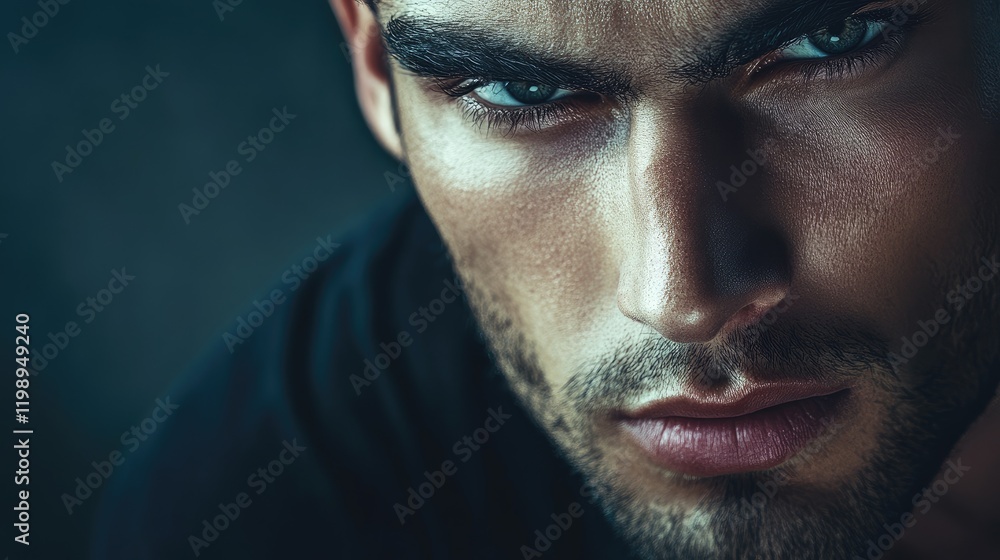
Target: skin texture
[[606, 266]]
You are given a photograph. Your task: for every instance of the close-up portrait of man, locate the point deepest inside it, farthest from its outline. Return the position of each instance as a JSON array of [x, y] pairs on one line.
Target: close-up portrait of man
[[676, 279]]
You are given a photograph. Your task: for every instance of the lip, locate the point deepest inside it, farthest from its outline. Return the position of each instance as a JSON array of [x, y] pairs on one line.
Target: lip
[[713, 436]]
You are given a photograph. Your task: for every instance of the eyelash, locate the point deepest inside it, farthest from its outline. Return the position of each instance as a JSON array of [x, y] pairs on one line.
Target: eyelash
[[535, 117], [530, 117], [858, 61]]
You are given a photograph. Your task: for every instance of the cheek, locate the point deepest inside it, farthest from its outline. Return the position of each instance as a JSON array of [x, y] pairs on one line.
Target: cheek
[[878, 195], [526, 220], [880, 187]]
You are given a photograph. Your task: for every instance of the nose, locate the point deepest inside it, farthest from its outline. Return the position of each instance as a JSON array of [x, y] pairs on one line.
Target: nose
[[697, 264]]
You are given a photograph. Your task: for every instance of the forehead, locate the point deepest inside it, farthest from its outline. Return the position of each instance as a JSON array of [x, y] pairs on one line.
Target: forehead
[[606, 14], [578, 12]]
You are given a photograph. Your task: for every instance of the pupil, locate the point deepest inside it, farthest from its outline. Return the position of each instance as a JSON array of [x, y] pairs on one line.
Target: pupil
[[840, 38], [528, 93]]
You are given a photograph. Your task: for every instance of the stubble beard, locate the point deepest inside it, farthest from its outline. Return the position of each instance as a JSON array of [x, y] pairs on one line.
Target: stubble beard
[[925, 413]]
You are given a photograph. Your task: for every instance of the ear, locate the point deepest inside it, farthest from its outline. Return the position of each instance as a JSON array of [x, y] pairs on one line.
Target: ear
[[372, 81]]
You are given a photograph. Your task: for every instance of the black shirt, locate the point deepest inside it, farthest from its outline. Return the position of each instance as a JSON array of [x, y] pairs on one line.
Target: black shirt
[[299, 445]]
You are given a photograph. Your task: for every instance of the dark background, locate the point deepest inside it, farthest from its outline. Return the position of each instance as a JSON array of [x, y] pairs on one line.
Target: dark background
[[119, 208]]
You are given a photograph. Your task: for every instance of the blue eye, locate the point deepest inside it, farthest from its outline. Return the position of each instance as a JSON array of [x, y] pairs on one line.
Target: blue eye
[[841, 38], [519, 94]]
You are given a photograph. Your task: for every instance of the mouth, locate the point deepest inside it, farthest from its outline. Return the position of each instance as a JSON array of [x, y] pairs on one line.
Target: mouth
[[760, 430]]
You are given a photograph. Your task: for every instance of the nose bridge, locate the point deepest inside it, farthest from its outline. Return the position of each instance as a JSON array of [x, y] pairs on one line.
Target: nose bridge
[[661, 265], [693, 261]]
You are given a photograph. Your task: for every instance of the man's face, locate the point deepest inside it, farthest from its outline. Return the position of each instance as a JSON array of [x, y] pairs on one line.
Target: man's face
[[721, 249]]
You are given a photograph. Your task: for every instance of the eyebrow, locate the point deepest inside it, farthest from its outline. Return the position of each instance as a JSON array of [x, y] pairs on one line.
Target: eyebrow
[[448, 49], [444, 50]]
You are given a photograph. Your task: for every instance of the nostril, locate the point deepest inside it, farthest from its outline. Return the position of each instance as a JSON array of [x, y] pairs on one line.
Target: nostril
[[750, 314], [764, 309]]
